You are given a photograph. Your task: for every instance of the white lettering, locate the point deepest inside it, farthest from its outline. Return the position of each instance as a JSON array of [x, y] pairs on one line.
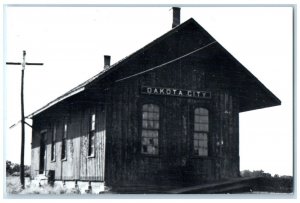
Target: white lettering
[[161, 91], [149, 90], [176, 92]]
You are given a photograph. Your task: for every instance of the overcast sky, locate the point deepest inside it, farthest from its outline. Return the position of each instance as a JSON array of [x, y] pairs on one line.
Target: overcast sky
[[71, 43]]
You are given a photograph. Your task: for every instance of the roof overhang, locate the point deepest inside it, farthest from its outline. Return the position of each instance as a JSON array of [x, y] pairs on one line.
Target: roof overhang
[[59, 99]]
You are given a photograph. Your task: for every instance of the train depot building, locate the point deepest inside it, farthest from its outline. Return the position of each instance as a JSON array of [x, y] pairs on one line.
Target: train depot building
[[168, 114]]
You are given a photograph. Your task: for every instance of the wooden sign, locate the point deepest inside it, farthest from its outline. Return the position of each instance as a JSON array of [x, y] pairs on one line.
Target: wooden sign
[[163, 91]]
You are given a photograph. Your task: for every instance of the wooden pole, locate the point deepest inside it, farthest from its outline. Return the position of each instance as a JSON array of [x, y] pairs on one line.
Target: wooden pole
[[22, 177], [22, 171]]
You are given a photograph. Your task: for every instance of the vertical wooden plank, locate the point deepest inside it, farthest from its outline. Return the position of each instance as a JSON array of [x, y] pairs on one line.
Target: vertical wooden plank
[[58, 165], [75, 136], [83, 146], [104, 142]]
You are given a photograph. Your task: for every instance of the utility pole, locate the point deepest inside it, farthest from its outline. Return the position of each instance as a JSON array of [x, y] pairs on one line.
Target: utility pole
[[22, 177]]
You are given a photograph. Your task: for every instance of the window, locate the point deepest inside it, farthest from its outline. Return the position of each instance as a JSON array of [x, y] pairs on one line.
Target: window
[[150, 129], [91, 150], [201, 129], [64, 141], [53, 150]]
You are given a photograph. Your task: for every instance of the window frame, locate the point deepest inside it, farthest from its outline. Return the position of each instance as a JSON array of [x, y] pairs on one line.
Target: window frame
[[90, 131], [150, 102], [53, 142], [193, 131], [64, 139]]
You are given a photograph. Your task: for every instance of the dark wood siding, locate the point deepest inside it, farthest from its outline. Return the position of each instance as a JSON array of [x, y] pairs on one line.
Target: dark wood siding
[[118, 158], [175, 162]]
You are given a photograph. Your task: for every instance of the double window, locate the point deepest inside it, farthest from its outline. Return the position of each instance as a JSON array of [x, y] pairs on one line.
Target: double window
[[91, 136], [150, 129], [201, 130]]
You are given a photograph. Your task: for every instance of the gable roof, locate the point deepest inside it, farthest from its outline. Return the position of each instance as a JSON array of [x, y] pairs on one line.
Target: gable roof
[[271, 100]]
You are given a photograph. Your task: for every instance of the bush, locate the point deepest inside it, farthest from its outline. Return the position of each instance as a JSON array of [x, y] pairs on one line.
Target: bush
[[255, 173], [14, 168]]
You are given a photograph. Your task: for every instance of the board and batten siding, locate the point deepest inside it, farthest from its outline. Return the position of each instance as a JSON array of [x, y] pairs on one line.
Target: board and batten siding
[[92, 168], [76, 166]]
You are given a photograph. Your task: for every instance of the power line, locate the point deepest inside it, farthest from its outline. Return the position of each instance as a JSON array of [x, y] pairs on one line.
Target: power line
[[166, 63]]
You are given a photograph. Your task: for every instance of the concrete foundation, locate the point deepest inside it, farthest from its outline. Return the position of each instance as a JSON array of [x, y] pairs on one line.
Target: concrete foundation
[[85, 187]]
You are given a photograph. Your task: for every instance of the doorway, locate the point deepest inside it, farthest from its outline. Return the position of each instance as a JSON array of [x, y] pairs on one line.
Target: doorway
[[177, 139], [43, 139]]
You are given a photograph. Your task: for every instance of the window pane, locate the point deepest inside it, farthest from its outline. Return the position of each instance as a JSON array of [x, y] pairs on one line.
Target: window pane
[[197, 119], [197, 127], [149, 142], [155, 116], [150, 116], [153, 133], [93, 118], [65, 130], [203, 111], [202, 136], [156, 109], [203, 127], [91, 145], [203, 119], [144, 141], [93, 121], [144, 133], [156, 142], [156, 125], [65, 127], [150, 107], [195, 144], [156, 134], [144, 149], [145, 124], [150, 124], [145, 115], [202, 144]]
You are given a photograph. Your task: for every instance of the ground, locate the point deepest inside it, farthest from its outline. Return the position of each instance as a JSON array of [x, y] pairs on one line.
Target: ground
[[242, 185]]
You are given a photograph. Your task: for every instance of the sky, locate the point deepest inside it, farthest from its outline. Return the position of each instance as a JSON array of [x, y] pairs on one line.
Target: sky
[[71, 42]]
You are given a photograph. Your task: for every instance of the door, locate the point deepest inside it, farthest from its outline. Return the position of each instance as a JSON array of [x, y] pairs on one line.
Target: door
[[177, 139], [43, 139]]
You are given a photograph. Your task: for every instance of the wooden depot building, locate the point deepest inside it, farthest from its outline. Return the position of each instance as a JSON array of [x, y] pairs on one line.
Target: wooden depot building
[[166, 114]]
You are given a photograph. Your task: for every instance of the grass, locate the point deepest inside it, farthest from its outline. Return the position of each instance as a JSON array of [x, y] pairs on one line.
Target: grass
[[13, 186]]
